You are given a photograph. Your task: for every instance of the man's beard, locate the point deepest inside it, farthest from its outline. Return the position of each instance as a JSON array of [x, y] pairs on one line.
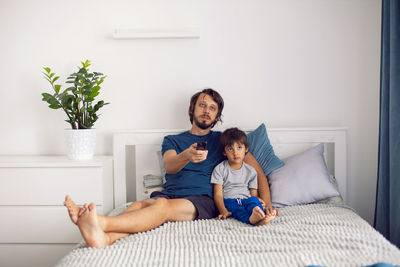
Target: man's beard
[[202, 124]]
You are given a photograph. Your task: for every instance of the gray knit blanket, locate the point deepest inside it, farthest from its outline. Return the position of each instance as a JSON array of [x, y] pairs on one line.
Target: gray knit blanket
[[316, 234]]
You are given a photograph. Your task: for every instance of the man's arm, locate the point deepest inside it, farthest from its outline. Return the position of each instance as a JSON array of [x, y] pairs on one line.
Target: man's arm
[[174, 162], [262, 181]]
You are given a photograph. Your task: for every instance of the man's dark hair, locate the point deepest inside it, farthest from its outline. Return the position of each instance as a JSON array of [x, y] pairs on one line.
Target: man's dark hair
[[215, 96], [232, 135]]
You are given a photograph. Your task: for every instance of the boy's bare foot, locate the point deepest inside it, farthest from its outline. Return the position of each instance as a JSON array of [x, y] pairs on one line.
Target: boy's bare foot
[[90, 228], [257, 215], [73, 209], [267, 219]]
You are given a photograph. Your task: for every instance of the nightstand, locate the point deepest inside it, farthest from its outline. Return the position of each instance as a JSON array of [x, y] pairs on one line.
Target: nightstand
[[35, 229]]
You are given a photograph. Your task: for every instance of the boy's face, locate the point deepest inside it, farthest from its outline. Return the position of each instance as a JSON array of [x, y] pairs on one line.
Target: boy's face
[[235, 153]]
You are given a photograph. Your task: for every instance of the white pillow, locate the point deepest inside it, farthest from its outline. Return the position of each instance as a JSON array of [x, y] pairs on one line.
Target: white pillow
[[303, 179], [161, 164]]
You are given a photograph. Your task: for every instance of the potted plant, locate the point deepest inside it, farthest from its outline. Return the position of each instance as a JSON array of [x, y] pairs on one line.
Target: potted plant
[[77, 101]]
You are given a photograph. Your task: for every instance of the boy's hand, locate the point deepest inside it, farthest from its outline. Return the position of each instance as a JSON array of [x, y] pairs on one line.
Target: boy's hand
[[195, 155], [224, 215]]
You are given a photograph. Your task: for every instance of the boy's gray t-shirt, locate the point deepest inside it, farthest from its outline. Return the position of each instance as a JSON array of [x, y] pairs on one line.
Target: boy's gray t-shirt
[[235, 183]]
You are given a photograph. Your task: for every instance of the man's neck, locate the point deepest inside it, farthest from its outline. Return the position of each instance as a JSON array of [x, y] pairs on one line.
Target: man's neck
[[198, 131]]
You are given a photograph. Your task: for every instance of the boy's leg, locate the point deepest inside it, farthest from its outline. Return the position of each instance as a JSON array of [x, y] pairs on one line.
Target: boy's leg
[[254, 207], [238, 211]]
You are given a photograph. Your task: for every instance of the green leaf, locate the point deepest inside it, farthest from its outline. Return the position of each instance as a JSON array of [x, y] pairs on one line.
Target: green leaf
[[94, 94], [86, 63], [47, 78], [101, 80], [57, 87], [46, 96], [56, 78], [47, 69], [53, 101], [52, 106]]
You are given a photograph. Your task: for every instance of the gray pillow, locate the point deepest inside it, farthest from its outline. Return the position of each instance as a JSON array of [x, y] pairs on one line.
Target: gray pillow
[[303, 179], [332, 200]]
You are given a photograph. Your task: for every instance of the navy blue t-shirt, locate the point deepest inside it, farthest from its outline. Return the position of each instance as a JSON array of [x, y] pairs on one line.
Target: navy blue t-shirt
[[194, 178]]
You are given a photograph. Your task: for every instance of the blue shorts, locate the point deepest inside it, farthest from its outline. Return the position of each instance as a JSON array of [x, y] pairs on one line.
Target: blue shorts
[[242, 208], [205, 206]]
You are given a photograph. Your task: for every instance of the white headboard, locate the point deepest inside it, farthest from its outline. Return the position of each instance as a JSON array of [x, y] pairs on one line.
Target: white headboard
[[144, 144]]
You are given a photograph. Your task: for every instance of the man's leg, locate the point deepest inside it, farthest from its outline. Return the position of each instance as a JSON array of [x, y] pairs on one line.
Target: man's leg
[[160, 211], [100, 231], [75, 211], [137, 205]]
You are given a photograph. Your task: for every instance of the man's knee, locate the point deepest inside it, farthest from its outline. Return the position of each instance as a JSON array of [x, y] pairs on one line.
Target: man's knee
[[161, 201], [163, 206]]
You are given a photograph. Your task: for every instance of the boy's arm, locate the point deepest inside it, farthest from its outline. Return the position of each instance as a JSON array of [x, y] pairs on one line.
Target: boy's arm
[[253, 192], [219, 202], [262, 181], [174, 162]]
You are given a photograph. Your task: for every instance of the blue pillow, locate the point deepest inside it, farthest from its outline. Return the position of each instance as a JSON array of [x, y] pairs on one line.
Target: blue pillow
[[261, 149]]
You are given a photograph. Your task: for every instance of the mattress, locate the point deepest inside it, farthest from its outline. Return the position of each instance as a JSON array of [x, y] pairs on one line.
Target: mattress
[[315, 234]]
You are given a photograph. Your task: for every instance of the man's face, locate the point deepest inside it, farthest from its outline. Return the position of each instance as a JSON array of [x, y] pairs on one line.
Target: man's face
[[205, 111]]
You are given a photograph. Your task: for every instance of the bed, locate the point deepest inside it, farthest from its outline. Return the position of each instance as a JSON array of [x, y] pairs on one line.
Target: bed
[[326, 232]]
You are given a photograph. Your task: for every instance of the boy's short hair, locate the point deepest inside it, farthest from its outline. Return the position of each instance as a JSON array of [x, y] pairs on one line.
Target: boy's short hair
[[232, 135]]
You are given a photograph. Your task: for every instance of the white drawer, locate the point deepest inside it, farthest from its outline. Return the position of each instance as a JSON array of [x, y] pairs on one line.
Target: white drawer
[[48, 186], [38, 225], [33, 255]]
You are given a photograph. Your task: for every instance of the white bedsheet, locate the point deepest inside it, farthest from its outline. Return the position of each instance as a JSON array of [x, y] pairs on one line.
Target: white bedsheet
[[317, 234]]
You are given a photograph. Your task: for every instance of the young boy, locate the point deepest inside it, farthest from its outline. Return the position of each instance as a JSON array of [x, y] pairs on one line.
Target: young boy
[[235, 182]]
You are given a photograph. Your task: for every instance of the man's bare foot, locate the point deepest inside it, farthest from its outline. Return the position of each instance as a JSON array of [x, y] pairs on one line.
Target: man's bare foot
[[90, 228], [267, 219], [257, 215], [73, 209]]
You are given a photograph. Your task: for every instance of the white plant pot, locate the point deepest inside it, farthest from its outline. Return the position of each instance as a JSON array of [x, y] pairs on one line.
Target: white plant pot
[[80, 143]]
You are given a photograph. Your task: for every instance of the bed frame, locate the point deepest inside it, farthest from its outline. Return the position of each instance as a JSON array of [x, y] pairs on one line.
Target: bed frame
[[135, 155]]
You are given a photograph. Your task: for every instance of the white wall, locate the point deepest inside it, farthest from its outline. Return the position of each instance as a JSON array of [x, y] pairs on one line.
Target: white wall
[[286, 63]]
